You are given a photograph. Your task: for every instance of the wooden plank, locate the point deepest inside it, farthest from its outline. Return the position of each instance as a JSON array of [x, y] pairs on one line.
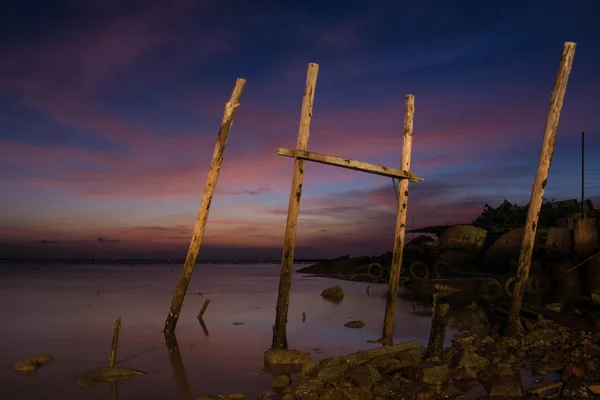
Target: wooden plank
[[209, 190], [390, 306], [349, 164], [539, 184], [289, 244]]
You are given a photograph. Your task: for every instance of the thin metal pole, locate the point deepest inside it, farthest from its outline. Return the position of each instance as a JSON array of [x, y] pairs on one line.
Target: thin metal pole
[[582, 173]]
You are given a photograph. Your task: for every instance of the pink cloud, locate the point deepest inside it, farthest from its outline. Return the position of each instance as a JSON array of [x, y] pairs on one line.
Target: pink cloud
[[176, 166]]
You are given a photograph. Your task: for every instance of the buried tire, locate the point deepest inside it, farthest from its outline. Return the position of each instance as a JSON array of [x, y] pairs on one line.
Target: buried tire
[[489, 289], [418, 270], [441, 270], [376, 270], [535, 285]]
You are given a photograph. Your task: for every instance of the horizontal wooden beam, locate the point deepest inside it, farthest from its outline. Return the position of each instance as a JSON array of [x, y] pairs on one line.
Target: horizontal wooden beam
[[349, 164]]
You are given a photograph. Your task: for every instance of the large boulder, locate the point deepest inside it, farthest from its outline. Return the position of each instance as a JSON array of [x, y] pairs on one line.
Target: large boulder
[[498, 256], [463, 237]]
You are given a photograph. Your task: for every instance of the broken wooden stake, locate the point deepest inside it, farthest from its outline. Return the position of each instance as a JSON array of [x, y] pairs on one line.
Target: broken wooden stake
[[115, 343], [390, 306], [539, 184], [203, 309], [209, 190], [439, 323], [289, 244]]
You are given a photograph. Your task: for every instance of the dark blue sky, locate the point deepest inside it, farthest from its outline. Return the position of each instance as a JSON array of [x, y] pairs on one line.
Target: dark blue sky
[[109, 111]]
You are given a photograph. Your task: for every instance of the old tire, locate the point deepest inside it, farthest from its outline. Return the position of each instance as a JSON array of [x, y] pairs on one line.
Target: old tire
[[376, 270], [418, 270], [509, 286], [489, 289], [441, 270]]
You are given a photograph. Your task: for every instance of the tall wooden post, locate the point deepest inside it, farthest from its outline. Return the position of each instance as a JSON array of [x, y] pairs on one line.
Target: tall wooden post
[[209, 190], [539, 184], [289, 244], [390, 306]]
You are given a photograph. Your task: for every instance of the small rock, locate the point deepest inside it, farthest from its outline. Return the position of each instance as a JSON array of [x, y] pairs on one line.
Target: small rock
[[288, 357], [354, 324], [32, 364], [506, 387], [308, 388], [335, 294], [595, 389], [436, 374], [472, 360], [502, 369], [573, 370], [352, 393], [238, 323], [364, 375], [281, 381], [109, 374], [464, 374]]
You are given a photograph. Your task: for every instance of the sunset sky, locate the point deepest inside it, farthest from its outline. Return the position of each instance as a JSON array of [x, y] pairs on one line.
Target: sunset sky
[[110, 109]]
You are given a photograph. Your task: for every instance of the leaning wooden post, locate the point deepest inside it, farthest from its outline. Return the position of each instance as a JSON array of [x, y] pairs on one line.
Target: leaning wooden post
[[539, 184], [390, 306], [209, 190], [289, 244], [115, 343], [203, 309]]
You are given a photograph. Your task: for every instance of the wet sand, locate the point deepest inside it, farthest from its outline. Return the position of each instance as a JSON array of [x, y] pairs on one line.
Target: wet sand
[[68, 312]]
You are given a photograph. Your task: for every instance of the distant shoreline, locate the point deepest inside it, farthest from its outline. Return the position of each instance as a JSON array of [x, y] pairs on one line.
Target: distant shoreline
[[139, 261]]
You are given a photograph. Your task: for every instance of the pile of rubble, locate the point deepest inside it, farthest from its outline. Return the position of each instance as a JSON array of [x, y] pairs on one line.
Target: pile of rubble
[[490, 365]]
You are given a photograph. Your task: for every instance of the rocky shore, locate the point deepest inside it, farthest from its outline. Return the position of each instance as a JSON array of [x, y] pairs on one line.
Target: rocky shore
[[547, 360]]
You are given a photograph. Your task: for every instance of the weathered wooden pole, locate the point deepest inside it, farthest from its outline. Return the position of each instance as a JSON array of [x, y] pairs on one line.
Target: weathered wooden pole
[[203, 309], [209, 190], [289, 243], [539, 184], [390, 306], [115, 343]]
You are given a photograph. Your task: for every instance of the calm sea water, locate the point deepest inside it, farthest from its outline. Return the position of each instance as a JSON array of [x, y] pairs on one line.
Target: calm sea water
[[68, 312]]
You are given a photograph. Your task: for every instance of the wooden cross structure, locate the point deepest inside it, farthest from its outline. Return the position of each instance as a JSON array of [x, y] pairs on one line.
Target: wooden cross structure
[[300, 155]]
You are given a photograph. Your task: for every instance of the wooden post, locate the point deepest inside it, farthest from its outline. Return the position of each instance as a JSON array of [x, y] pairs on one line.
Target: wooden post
[[289, 244], [177, 366], [209, 190], [439, 322], [115, 343], [582, 174], [539, 184], [203, 309], [390, 306]]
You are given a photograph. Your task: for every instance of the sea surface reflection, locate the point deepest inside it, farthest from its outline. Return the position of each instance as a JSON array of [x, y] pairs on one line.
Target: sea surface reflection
[[68, 312]]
